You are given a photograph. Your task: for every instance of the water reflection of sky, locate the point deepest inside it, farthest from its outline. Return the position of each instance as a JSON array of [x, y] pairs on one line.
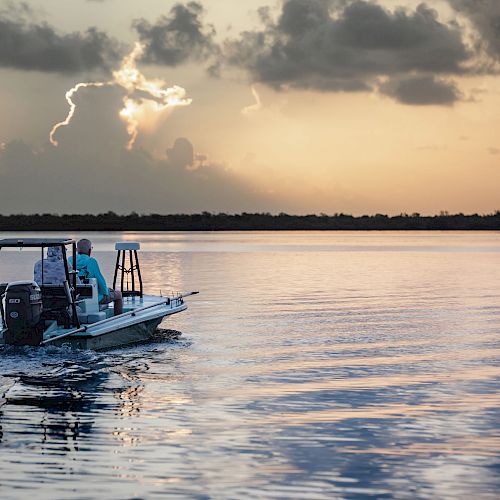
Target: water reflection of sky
[[323, 365]]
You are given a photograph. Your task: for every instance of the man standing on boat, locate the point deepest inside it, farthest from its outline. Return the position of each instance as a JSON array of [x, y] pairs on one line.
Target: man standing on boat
[[88, 267]]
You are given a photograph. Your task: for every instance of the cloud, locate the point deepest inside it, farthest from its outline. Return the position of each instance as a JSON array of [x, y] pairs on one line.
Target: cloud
[[485, 17], [92, 171], [257, 106], [348, 46], [422, 90], [26, 44], [177, 38], [181, 155]]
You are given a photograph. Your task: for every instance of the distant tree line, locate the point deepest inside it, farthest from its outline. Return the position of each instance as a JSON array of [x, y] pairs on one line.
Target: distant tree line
[[206, 221]]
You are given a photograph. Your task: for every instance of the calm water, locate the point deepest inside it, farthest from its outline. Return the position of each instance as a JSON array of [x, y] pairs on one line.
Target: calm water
[[312, 365]]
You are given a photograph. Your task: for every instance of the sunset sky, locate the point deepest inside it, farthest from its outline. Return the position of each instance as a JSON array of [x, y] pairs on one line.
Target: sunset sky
[[299, 106]]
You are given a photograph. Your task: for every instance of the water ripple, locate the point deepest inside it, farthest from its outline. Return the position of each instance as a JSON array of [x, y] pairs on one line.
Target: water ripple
[[311, 366]]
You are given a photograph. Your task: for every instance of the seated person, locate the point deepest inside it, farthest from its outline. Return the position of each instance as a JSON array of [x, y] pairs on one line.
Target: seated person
[[53, 268], [88, 267]]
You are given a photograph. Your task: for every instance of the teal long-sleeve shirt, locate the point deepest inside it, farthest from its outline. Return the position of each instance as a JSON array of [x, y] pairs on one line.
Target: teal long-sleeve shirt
[[88, 267]]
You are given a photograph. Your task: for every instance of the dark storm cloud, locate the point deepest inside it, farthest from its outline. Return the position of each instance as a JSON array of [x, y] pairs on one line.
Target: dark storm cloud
[[29, 45], [485, 17], [347, 46], [177, 38], [92, 171], [422, 90]]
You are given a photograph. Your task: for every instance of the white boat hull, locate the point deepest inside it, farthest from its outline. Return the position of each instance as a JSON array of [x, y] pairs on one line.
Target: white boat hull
[[140, 332], [138, 324]]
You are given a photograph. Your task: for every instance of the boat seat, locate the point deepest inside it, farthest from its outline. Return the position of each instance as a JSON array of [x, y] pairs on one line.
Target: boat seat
[[55, 304], [88, 297], [84, 290], [58, 290], [54, 294], [91, 318]]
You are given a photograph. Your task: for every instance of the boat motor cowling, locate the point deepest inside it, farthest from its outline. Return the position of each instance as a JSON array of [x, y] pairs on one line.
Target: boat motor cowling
[[23, 309]]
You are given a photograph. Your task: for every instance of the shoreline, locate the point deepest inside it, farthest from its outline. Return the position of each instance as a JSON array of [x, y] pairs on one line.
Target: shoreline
[[249, 222]]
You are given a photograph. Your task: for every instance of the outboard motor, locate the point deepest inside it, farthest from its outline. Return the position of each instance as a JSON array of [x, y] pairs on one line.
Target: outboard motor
[[23, 309]]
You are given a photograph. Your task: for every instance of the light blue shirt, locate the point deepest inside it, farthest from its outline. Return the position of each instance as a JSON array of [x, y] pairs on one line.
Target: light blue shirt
[[88, 267]]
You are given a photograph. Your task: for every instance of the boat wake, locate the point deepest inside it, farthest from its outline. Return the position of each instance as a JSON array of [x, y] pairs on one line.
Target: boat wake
[[165, 335], [61, 377]]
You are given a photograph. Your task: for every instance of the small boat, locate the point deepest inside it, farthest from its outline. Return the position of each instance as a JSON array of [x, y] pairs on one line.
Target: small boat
[[70, 313]]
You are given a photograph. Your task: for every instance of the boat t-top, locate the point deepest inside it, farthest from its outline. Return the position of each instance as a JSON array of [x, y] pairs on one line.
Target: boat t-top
[[39, 314]]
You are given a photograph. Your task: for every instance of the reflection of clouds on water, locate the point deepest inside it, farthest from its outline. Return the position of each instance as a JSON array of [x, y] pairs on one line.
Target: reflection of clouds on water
[[60, 404], [146, 396], [164, 273], [458, 478], [472, 446], [408, 382], [54, 387], [305, 369]]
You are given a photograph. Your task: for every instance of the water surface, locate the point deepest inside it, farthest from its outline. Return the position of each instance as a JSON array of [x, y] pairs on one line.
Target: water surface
[[312, 365]]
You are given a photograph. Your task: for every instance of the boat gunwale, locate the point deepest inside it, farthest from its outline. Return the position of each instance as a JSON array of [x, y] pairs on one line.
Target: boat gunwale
[[112, 322]]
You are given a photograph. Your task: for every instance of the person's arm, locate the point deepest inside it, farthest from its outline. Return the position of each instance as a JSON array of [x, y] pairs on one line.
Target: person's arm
[[94, 270]]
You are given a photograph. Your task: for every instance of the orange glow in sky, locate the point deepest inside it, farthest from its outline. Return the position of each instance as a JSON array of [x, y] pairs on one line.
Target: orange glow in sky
[[145, 102]]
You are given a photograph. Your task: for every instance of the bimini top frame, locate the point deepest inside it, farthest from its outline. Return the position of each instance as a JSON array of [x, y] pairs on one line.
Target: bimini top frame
[[35, 242], [71, 277]]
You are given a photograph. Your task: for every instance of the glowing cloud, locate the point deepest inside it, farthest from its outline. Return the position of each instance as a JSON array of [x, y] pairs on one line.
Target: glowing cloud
[[144, 99], [254, 107], [72, 108]]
